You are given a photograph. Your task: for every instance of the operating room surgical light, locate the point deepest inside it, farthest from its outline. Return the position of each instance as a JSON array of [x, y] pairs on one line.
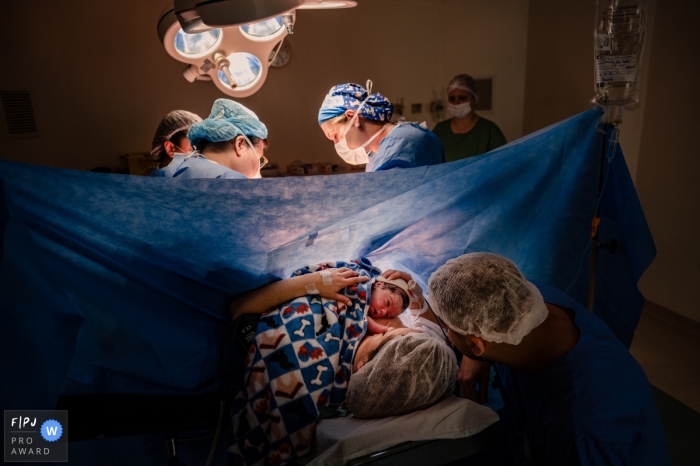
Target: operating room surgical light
[[232, 42]]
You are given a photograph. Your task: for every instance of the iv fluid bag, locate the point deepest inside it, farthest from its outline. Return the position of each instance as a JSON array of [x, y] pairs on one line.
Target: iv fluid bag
[[619, 43]]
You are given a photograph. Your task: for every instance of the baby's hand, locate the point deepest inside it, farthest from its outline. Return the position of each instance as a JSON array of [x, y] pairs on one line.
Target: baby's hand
[[376, 328]]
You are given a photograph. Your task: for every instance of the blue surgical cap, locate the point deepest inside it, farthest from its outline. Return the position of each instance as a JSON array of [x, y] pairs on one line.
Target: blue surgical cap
[[349, 97], [227, 120]]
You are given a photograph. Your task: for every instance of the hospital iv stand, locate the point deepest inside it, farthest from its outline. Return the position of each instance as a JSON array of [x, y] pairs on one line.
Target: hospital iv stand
[[595, 242], [612, 118]]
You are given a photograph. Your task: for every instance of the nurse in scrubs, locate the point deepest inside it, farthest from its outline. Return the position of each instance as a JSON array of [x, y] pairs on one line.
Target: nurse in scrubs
[[359, 123], [466, 134]]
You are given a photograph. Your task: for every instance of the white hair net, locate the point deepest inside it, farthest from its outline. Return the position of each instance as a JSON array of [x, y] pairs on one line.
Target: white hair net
[[464, 82], [172, 123], [485, 295], [410, 372]]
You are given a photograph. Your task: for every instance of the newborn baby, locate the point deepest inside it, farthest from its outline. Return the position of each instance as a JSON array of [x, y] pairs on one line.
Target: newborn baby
[[388, 299]]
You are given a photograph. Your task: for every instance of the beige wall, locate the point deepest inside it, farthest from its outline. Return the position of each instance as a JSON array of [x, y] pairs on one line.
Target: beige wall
[[658, 139], [669, 165], [559, 70], [559, 73], [101, 86]]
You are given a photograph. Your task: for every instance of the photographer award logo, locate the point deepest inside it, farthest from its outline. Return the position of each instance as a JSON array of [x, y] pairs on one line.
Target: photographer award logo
[[36, 436]]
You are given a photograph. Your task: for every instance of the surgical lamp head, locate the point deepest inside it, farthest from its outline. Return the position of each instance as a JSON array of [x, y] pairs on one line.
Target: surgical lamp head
[[197, 16], [232, 42]]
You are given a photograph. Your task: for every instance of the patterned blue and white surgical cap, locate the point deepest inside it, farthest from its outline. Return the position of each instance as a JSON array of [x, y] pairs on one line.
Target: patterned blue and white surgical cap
[[349, 97]]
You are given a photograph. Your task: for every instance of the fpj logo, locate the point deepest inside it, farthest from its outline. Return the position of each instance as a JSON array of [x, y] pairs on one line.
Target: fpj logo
[[36, 436]]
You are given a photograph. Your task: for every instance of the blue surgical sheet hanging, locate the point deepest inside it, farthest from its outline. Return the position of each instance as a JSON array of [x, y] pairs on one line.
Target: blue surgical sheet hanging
[[121, 284]]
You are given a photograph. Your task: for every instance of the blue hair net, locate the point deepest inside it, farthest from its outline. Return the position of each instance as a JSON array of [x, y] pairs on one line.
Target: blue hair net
[[349, 97], [227, 120]]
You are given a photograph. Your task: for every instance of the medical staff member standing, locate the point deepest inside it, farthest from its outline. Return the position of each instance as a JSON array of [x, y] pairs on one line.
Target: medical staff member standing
[[359, 124], [171, 136], [229, 144], [573, 394], [466, 134]]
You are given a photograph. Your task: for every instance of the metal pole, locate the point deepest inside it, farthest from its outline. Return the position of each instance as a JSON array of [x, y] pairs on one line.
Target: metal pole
[[595, 246], [595, 243]]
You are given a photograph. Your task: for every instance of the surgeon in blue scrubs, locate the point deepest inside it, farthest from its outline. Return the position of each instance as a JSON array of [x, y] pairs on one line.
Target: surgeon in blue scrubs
[[359, 123], [573, 394], [229, 144]]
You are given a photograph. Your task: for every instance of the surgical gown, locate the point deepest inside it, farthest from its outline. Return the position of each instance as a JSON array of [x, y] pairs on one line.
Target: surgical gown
[[407, 145], [191, 167], [590, 406]]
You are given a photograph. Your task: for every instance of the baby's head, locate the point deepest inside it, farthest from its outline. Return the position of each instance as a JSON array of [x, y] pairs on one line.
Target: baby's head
[[389, 298]]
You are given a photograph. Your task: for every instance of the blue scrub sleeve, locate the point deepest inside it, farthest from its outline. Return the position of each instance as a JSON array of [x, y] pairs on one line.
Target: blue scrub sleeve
[[406, 146]]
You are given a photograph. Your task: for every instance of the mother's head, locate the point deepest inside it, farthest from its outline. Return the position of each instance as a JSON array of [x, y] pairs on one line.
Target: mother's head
[[408, 372], [232, 136]]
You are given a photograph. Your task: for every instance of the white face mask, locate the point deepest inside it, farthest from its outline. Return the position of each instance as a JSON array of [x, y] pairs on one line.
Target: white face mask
[[183, 152], [262, 160], [355, 156], [459, 111]]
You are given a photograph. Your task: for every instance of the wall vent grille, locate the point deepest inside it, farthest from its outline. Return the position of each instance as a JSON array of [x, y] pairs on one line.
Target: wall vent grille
[[484, 87], [18, 114]]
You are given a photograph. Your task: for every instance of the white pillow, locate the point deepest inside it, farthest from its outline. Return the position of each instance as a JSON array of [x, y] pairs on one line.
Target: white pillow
[[340, 440]]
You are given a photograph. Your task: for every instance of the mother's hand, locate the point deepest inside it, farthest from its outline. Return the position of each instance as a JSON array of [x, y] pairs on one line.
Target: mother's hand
[[339, 279]]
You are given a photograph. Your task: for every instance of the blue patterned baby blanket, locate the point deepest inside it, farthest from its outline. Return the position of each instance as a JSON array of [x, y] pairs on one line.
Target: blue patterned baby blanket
[[300, 363]]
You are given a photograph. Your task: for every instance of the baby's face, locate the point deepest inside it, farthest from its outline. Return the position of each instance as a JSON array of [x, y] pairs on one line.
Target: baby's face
[[383, 303]]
